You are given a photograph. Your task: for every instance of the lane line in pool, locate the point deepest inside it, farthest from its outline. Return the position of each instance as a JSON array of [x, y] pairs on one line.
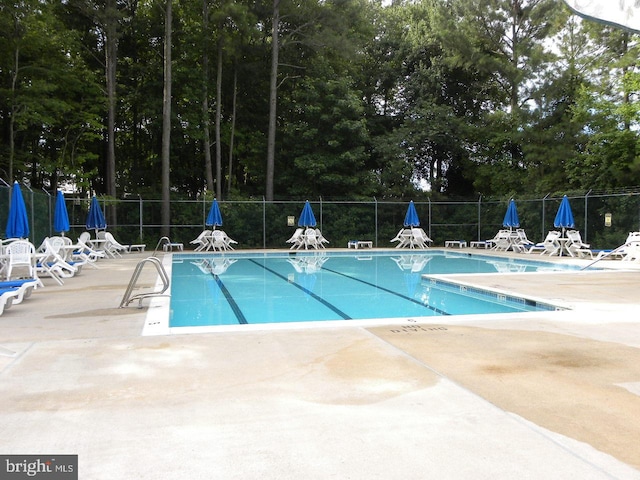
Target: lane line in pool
[[307, 291], [232, 303], [404, 297]]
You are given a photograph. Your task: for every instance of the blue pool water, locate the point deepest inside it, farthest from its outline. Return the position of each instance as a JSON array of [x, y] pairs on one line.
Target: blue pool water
[[231, 289]]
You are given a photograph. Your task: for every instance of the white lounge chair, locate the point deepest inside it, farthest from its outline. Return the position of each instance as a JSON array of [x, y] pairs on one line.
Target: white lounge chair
[[493, 241], [21, 255], [228, 240], [21, 288], [70, 252], [621, 251], [550, 245], [202, 241], [50, 263], [85, 251], [296, 239], [65, 248], [112, 246], [220, 241], [321, 239], [632, 252], [91, 246], [502, 241], [310, 239], [419, 238], [7, 297], [13, 292], [403, 238], [576, 247], [522, 239]]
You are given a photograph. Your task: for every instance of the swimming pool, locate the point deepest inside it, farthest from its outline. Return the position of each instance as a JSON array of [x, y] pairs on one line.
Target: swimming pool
[[260, 288]]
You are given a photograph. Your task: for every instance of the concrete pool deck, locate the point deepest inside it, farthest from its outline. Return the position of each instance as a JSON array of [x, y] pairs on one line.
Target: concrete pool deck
[[551, 395]]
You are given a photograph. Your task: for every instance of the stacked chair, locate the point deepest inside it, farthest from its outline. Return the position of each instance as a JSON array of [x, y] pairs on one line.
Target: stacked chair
[[213, 240], [628, 251], [413, 237], [19, 272], [576, 247], [550, 245]]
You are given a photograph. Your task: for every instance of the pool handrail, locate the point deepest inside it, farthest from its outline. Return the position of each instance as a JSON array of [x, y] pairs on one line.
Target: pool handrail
[[128, 298]]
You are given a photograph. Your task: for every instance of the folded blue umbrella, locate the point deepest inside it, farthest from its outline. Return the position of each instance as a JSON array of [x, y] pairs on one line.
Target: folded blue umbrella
[[60, 215], [307, 218], [564, 217], [17, 221], [511, 219], [95, 217], [214, 218], [411, 218]]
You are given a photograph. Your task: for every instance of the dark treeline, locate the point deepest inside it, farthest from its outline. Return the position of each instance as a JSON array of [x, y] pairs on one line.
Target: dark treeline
[[306, 98]]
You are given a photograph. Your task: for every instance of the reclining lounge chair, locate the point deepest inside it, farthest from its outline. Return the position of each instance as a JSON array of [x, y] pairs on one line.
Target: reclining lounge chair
[[550, 245], [576, 247]]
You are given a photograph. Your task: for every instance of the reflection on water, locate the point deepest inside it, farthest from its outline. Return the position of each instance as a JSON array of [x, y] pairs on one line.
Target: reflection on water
[[507, 267], [308, 263], [215, 266], [412, 266], [412, 263], [306, 268]]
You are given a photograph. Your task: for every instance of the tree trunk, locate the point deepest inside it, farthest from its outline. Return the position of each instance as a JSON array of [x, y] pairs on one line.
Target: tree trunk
[[626, 95], [166, 124], [273, 98], [205, 97], [14, 112], [218, 115], [233, 124], [111, 58], [514, 99]]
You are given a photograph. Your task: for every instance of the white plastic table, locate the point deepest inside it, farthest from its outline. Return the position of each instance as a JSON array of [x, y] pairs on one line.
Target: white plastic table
[[360, 244], [455, 243]]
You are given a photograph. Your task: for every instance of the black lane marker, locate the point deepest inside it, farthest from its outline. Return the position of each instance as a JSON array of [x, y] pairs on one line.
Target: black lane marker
[[308, 292], [232, 303], [435, 309]]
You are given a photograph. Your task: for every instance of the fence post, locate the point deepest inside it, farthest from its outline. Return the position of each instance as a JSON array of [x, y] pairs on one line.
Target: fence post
[[49, 206], [33, 212], [320, 197], [543, 209], [479, 216], [264, 222], [586, 207], [429, 200], [375, 212], [140, 222]]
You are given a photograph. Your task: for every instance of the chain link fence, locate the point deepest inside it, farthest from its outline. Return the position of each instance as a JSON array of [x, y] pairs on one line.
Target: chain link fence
[[604, 220]]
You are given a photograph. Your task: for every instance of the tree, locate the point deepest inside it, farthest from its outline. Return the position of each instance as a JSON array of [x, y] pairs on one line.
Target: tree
[[166, 122], [49, 99], [206, 147], [111, 60], [503, 41], [607, 108], [273, 100], [325, 138]]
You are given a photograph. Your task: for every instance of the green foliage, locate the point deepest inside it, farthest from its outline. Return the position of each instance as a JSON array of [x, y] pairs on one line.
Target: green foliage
[[490, 97], [49, 96]]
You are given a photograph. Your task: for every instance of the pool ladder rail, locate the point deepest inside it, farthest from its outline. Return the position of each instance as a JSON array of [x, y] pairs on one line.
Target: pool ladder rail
[[128, 297]]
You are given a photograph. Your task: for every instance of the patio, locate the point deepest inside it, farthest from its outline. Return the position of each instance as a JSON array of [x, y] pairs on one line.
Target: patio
[[544, 395]]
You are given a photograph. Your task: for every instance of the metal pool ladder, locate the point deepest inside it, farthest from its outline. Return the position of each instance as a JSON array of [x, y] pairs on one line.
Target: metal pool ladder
[[128, 298]]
